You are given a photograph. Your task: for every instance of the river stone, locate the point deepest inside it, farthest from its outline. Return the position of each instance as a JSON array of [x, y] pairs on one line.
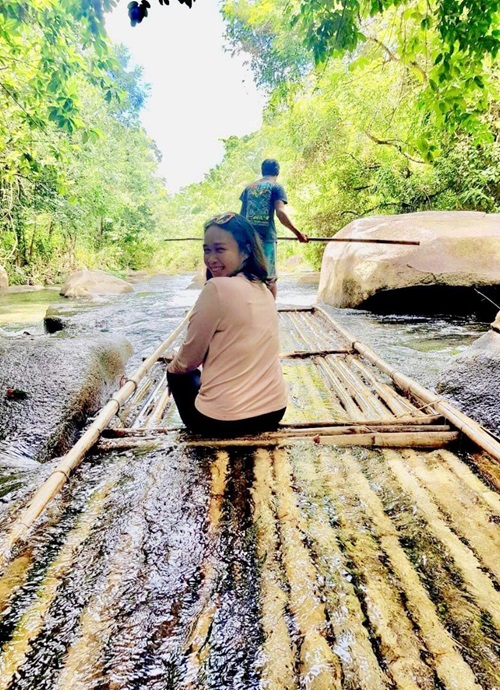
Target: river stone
[[86, 283], [48, 388], [4, 278], [495, 326], [459, 249], [472, 380]]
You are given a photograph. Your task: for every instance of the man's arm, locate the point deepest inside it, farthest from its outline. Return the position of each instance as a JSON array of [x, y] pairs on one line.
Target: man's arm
[[284, 219]]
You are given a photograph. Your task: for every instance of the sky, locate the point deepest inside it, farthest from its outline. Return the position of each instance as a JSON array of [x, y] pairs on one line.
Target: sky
[[199, 92]]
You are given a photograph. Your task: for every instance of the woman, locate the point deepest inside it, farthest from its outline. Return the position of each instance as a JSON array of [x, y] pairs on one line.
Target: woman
[[233, 333]]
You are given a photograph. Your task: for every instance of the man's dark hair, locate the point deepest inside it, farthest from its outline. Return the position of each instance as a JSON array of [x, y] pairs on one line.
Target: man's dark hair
[[270, 167]]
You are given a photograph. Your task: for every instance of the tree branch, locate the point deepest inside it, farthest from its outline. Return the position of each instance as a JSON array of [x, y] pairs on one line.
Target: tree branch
[[388, 142]]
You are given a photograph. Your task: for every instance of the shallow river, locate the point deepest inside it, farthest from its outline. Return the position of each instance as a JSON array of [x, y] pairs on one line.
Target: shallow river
[[418, 346]]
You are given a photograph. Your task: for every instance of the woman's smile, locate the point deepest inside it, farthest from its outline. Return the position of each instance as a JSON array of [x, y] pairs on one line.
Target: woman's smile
[[221, 253]]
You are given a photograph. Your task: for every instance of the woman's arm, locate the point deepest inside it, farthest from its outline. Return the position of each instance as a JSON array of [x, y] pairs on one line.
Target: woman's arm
[[201, 328]]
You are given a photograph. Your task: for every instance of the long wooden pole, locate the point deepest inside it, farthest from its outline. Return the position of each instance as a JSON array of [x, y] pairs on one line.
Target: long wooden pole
[[466, 425], [311, 239], [74, 457]]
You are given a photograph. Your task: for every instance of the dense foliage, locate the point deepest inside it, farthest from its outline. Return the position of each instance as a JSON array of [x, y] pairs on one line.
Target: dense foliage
[[381, 106], [375, 106], [78, 183]]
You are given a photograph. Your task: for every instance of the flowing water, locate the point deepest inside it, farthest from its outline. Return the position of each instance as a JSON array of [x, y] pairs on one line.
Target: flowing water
[[313, 568], [418, 346]]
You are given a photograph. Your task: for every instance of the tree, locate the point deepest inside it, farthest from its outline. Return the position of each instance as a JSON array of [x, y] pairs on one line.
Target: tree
[[447, 47]]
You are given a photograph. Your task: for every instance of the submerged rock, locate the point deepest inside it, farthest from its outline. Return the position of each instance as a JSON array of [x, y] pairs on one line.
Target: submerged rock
[[49, 386], [86, 283], [459, 250], [472, 380]]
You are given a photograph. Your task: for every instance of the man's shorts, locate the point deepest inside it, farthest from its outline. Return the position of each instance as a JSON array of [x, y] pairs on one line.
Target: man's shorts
[[270, 254]]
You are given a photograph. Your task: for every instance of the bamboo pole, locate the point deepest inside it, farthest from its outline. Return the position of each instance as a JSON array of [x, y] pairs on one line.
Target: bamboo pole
[[468, 426], [476, 524], [196, 648], [430, 439], [73, 458], [312, 239], [279, 651], [451, 668], [303, 354], [319, 665], [15, 651], [425, 420]]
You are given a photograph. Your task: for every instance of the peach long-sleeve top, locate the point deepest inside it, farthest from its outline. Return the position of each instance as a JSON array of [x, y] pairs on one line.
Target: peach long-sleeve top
[[233, 334]]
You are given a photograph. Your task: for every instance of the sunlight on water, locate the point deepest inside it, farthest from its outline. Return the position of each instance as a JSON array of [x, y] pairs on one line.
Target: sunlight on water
[[302, 567]]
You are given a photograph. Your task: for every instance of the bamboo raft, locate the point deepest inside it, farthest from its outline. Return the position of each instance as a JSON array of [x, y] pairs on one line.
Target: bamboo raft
[[356, 548]]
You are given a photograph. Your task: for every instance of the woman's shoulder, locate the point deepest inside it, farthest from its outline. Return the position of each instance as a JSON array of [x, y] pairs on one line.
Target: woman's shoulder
[[238, 284]]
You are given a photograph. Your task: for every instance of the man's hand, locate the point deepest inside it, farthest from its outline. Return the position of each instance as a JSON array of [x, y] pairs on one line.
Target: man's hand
[[301, 237]]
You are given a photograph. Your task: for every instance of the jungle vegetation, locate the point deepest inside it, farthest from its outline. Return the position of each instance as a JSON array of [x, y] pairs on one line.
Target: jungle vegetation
[[374, 107]]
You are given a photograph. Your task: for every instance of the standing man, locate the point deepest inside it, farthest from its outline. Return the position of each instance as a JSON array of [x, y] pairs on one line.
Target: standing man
[[259, 201]]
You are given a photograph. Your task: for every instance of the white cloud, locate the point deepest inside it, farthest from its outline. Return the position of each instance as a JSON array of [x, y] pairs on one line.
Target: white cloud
[[199, 92]]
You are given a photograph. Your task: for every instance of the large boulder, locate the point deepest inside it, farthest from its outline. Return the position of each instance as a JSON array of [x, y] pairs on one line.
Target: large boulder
[[458, 251], [86, 283], [4, 278], [472, 380], [48, 388]]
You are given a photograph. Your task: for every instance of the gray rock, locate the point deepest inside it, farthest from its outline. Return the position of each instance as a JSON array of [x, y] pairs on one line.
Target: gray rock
[[86, 283], [48, 388], [458, 251], [472, 380]]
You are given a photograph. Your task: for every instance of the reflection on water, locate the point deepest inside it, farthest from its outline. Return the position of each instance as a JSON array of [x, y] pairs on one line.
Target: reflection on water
[[314, 567], [300, 568], [23, 309]]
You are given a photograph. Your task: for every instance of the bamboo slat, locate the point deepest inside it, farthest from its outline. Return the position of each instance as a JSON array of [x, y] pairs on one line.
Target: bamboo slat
[[159, 410], [387, 617], [15, 650], [431, 439], [468, 426], [368, 403], [477, 580], [474, 522], [471, 481], [196, 645], [279, 652], [319, 666], [322, 333], [73, 458], [299, 325], [351, 408], [360, 664], [450, 666], [150, 401], [393, 401]]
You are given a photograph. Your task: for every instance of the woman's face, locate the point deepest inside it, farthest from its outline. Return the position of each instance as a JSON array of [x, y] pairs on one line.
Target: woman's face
[[221, 252]]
